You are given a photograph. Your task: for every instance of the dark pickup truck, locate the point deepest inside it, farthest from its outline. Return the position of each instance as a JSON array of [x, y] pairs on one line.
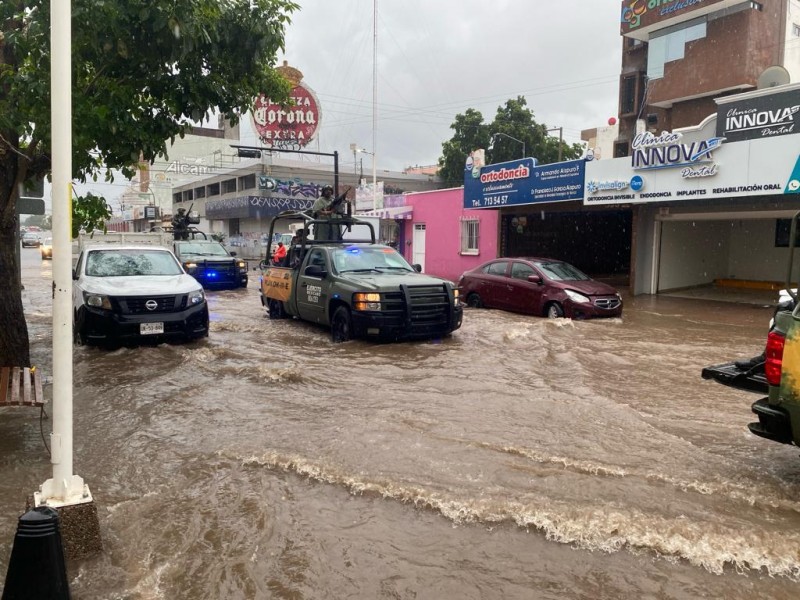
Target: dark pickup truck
[[358, 288]]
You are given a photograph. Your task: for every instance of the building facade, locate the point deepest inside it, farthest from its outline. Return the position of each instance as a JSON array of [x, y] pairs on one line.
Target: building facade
[[679, 58], [711, 204], [445, 238], [241, 202]]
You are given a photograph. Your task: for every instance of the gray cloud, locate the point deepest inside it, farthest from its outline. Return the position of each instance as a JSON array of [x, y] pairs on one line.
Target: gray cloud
[[437, 58]]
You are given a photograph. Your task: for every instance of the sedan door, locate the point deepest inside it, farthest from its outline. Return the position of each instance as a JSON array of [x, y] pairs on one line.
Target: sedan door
[[494, 285], [524, 296]]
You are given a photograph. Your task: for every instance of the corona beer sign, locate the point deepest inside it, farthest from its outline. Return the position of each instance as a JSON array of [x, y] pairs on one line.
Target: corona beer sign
[[291, 126]]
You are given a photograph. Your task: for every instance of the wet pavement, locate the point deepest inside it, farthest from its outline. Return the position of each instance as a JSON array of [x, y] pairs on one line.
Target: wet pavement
[[518, 458]]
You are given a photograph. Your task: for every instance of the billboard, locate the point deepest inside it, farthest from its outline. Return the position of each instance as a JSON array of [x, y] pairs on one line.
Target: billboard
[[288, 127]]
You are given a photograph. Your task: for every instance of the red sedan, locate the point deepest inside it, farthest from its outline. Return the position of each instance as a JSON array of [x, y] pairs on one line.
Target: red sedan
[[539, 286]]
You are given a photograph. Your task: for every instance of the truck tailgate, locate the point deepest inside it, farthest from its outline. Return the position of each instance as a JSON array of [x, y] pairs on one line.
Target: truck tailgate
[[746, 380]]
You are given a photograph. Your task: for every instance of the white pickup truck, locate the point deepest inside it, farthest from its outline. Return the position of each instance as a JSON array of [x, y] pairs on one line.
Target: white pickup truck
[[130, 287]]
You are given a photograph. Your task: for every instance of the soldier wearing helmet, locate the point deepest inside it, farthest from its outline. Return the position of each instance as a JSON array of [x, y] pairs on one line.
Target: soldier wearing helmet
[[325, 208]]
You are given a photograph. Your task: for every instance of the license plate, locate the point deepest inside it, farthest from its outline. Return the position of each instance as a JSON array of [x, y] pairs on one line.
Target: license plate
[[151, 328]]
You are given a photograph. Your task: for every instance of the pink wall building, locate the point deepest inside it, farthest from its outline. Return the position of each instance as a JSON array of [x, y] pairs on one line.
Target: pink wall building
[[444, 237]]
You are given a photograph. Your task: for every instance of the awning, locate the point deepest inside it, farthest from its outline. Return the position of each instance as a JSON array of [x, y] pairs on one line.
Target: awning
[[394, 212]]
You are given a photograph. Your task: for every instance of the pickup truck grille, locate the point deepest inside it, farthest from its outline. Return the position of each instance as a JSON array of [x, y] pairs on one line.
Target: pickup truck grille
[[137, 305], [425, 308]]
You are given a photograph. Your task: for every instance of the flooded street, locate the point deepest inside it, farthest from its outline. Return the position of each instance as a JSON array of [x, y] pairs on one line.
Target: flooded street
[[519, 458]]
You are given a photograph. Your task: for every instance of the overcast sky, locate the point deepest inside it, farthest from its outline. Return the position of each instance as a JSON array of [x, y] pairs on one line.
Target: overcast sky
[[437, 58]]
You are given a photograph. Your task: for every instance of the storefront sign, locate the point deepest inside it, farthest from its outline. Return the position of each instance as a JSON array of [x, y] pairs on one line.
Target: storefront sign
[[289, 127], [639, 14], [669, 151], [763, 116], [519, 182], [761, 167]]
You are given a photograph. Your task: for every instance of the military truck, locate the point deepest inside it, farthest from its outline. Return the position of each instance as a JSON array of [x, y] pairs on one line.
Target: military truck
[[777, 371], [357, 288]]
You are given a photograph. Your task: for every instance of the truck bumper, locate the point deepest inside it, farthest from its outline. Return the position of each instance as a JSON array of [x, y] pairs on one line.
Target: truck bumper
[[774, 422], [392, 327], [102, 326]]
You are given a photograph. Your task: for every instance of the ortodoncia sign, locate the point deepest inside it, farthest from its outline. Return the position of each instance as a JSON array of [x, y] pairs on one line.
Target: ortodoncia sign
[[520, 182]]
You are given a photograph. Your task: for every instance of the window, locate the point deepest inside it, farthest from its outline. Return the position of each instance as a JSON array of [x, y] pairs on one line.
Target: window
[[213, 189], [248, 182], [200, 192], [631, 93], [495, 268], [670, 44], [795, 30], [228, 186], [521, 271], [469, 236]]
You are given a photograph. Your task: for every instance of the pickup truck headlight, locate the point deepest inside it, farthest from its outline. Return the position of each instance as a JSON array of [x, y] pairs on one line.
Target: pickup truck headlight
[[456, 297], [196, 297], [190, 267], [366, 301], [242, 265], [576, 297], [97, 301]]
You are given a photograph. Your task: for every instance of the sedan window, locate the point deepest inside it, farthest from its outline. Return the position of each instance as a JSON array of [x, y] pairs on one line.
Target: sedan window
[[521, 271], [495, 268]]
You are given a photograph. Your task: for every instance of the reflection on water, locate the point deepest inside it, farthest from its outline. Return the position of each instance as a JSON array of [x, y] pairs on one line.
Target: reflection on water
[[518, 458]]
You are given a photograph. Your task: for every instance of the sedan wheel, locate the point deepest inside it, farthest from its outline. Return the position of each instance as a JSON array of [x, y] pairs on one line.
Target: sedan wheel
[[554, 311], [341, 325], [474, 300]]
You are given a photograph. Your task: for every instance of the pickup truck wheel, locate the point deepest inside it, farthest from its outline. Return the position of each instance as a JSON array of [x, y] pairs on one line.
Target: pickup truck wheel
[[474, 301], [275, 308], [78, 338], [341, 325], [554, 311]]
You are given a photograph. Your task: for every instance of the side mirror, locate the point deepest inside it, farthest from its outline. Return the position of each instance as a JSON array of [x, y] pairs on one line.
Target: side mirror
[[233, 253], [534, 279], [417, 268], [315, 271], [74, 274]]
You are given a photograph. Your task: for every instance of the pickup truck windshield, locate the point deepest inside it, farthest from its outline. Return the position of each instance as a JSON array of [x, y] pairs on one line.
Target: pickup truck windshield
[[362, 258], [201, 249], [125, 263]]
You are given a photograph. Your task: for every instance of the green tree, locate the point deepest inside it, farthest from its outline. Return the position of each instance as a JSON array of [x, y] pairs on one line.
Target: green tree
[[140, 71], [470, 134], [517, 125]]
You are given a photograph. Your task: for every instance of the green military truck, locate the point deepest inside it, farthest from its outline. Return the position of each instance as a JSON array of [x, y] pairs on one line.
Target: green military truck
[[357, 288], [776, 372]]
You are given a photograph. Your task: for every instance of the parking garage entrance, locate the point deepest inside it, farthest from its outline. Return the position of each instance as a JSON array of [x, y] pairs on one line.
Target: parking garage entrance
[[598, 242]]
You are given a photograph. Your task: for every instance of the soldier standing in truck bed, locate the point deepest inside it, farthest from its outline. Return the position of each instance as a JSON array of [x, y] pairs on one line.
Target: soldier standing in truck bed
[[325, 208]]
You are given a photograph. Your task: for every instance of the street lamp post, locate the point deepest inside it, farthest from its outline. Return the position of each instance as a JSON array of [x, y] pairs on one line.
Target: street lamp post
[[560, 138], [255, 152], [496, 135], [374, 177]]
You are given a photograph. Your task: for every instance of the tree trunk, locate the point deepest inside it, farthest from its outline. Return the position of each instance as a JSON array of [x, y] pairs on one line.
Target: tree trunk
[[14, 345]]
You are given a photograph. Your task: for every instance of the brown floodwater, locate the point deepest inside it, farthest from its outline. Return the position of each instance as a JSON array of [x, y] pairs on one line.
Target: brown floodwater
[[518, 458]]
